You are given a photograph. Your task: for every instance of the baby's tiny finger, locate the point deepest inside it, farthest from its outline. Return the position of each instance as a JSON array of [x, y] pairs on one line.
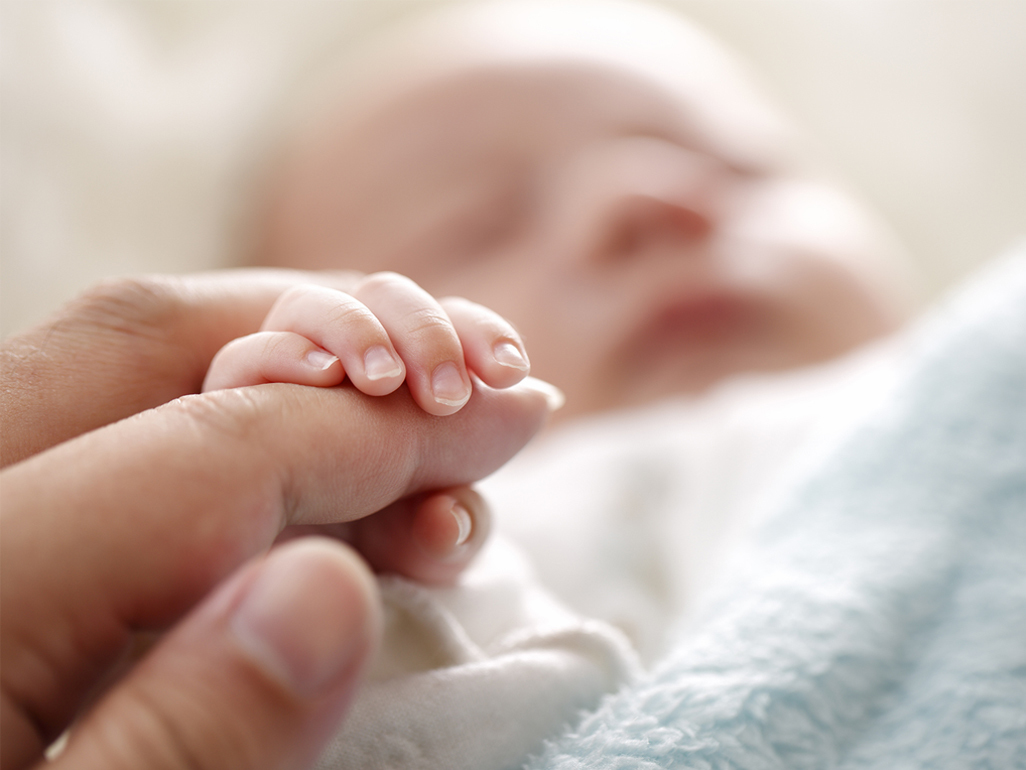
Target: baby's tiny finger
[[430, 538], [425, 338], [491, 346], [272, 357], [345, 326]]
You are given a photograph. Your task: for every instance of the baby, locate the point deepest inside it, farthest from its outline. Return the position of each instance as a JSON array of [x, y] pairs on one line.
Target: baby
[[607, 182], [604, 178], [602, 175]]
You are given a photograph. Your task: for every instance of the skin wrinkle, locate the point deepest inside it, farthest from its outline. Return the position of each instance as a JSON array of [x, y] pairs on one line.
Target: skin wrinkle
[[345, 315], [138, 306], [32, 704], [426, 322], [151, 312], [153, 708]]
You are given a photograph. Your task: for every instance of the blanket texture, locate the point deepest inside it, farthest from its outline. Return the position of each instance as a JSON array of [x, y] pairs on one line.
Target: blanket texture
[[877, 619], [476, 676]]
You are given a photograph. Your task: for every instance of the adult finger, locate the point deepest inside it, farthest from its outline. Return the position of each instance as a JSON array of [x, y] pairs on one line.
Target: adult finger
[[127, 345], [174, 499], [257, 677]]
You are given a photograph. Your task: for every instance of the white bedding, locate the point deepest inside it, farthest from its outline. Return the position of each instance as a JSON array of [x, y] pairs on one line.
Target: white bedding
[[129, 133], [805, 562], [630, 517], [626, 522]]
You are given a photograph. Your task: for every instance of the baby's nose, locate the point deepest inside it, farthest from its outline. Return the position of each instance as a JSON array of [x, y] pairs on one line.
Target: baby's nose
[[636, 222], [632, 195]]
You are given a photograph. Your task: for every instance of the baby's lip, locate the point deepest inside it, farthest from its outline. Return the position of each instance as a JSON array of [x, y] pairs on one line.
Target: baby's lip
[[691, 338], [701, 318]]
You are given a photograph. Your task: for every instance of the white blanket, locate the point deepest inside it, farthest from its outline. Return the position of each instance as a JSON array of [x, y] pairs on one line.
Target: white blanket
[[824, 569], [626, 519]]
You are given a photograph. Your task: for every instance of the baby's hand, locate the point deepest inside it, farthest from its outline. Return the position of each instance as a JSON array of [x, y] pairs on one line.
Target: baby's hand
[[385, 331]]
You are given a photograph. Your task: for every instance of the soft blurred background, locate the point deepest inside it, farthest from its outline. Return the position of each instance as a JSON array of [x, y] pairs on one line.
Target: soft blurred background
[[129, 131]]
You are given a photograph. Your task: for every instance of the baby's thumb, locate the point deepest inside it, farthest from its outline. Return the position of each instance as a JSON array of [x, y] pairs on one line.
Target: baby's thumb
[[258, 676]]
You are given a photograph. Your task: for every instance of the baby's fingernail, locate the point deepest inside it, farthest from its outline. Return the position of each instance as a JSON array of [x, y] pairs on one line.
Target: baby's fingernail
[[447, 385], [464, 523], [320, 359], [442, 528], [508, 354], [378, 363], [554, 397]]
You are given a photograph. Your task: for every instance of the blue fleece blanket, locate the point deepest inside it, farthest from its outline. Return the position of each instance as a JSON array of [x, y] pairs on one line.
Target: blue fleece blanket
[[880, 621]]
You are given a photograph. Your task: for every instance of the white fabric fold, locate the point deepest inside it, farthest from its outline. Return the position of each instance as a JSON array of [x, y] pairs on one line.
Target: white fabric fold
[[476, 676]]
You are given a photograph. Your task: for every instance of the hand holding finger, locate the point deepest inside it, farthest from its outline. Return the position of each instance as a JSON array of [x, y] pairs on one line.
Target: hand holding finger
[[309, 326], [212, 479]]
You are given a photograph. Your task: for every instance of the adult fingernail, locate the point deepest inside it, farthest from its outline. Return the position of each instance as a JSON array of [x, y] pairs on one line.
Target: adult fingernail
[[308, 616], [379, 363], [554, 397], [508, 354], [448, 386]]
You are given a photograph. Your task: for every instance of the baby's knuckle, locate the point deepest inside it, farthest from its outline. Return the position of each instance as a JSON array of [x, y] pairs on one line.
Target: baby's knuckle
[[428, 321], [387, 280], [298, 293], [274, 344], [458, 303], [347, 314], [481, 315]]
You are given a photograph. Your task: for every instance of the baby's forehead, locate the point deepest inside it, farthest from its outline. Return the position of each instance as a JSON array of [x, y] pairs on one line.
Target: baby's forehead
[[533, 110], [562, 99], [478, 70]]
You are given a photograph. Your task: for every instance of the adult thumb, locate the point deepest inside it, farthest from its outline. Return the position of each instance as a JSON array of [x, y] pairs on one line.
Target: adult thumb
[[258, 676]]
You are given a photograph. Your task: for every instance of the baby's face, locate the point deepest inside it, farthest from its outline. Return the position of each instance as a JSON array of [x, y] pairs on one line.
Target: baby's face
[[638, 253]]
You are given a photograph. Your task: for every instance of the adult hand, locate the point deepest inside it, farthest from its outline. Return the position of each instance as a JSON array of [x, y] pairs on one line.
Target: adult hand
[[163, 520]]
